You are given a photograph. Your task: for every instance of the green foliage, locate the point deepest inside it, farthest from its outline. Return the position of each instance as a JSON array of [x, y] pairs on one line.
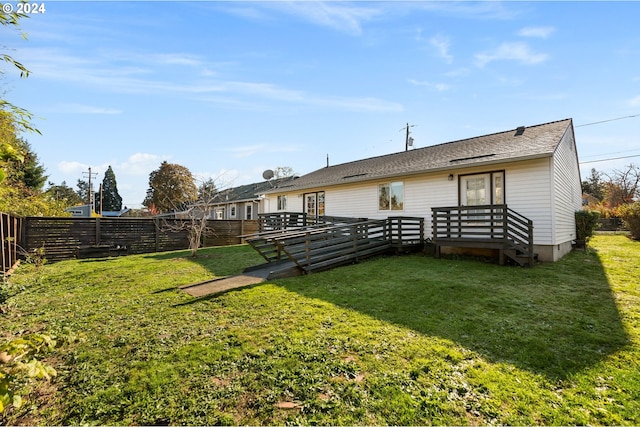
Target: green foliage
[[631, 216], [397, 340], [20, 201], [83, 191], [28, 172], [586, 224], [171, 187], [64, 194], [111, 199], [594, 185], [19, 364]]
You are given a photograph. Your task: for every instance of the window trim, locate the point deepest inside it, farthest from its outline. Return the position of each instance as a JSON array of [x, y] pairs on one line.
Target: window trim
[[390, 184], [281, 203]]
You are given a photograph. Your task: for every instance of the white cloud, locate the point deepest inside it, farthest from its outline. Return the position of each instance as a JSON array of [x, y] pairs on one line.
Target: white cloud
[[635, 102], [460, 72], [519, 52], [442, 44], [539, 32], [141, 164], [100, 73], [72, 167], [440, 87], [337, 15]]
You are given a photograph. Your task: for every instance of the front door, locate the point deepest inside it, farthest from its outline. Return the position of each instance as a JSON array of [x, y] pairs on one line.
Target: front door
[[314, 205], [482, 189], [310, 205]]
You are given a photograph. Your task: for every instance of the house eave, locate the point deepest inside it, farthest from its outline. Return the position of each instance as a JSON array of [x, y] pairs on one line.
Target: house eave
[[370, 178]]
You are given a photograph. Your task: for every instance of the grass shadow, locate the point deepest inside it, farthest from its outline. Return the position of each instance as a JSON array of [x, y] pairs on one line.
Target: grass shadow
[[219, 260], [553, 319]]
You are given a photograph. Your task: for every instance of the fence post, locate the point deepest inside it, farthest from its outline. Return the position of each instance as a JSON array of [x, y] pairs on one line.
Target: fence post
[[5, 255], [97, 231], [157, 233], [505, 225]]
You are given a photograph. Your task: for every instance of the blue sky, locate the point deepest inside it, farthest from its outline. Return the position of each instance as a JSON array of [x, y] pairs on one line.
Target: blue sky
[[230, 88]]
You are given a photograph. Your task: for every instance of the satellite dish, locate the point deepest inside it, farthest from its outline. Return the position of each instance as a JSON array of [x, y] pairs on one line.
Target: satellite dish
[[268, 174]]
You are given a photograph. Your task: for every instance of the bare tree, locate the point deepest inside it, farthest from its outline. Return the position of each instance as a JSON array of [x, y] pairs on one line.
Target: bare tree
[[195, 218], [283, 172], [623, 186]]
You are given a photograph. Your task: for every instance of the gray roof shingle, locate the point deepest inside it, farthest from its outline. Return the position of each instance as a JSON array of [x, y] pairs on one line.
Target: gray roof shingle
[[250, 191], [536, 141]]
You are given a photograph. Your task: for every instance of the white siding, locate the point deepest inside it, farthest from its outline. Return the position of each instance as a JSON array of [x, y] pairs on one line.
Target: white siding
[[567, 190], [528, 191]]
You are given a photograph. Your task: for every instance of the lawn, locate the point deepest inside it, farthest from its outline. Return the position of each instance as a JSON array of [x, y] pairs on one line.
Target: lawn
[[407, 340]]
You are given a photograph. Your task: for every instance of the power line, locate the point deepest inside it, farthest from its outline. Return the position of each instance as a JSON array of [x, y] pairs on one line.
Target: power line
[[609, 120], [613, 158], [606, 154]]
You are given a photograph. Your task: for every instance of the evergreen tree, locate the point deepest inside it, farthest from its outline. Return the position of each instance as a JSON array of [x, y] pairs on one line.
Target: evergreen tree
[[111, 200], [83, 191], [29, 172], [207, 190]]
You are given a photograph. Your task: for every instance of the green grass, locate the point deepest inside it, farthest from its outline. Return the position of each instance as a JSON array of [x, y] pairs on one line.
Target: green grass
[[399, 340]]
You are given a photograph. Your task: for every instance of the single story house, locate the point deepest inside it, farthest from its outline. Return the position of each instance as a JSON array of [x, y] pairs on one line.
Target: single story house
[[242, 202], [80, 211], [533, 170]]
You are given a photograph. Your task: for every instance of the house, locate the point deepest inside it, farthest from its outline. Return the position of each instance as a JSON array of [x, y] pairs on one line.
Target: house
[[242, 202], [115, 214], [80, 211], [532, 170]]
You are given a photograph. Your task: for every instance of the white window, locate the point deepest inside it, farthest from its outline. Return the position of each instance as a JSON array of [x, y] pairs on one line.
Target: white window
[[232, 211], [220, 213], [249, 211], [391, 196], [282, 203]]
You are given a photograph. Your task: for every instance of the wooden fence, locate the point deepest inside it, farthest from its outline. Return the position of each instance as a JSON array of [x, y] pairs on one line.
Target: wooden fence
[[62, 238], [10, 240]]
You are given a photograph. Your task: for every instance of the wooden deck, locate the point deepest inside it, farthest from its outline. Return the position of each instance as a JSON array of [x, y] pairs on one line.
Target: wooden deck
[[333, 241], [487, 226]]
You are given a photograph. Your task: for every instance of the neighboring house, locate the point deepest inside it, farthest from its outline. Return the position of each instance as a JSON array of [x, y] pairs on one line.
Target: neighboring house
[[242, 202], [114, 214], [80, 211], [533, 170], [86, 211]]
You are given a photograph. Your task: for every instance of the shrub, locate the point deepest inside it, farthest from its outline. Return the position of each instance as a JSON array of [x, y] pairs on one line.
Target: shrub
[[586, 224], [630, 214]]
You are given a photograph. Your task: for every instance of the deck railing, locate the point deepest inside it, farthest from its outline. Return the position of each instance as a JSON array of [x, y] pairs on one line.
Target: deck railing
[[476, 225], [328, 240], [281, 221]]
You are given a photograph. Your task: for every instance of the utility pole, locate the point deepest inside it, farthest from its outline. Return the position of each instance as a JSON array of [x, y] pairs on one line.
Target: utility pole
[[90, 189], [407, 140]]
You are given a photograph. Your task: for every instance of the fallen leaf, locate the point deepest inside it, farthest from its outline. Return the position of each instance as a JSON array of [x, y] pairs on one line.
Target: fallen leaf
[[286, 405]]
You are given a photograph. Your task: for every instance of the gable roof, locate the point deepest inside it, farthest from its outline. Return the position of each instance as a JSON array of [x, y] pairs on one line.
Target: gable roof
[[517, 144], [250, 191]]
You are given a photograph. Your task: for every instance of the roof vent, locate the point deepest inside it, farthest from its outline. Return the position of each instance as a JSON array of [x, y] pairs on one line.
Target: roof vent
[[520, 130]]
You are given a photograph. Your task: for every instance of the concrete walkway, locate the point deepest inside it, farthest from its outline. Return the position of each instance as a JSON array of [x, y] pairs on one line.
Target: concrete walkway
[[257, 275], [226, 283]]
